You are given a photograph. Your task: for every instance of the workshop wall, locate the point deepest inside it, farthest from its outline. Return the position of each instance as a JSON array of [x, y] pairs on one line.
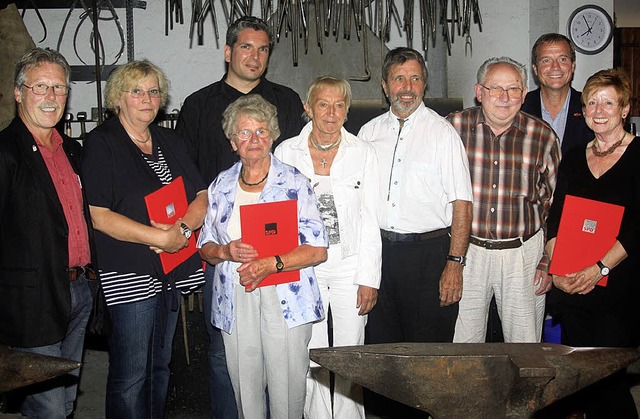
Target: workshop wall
[[510, 28], [507, 29]]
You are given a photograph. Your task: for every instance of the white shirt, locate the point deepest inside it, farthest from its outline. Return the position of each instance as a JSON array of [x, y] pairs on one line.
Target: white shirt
[[354, 183], [422, 170]]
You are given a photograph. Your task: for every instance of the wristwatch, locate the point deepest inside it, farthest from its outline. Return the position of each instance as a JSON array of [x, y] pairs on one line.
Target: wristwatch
[[604, 270], [462, 260], [186, 230], [279, 264]]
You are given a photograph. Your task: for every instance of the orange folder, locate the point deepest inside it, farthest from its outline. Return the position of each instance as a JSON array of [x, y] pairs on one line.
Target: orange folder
[[272, 229], [167, 205], [588, 229]]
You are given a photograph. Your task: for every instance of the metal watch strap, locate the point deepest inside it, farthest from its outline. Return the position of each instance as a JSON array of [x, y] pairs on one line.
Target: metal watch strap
[[186, 230]]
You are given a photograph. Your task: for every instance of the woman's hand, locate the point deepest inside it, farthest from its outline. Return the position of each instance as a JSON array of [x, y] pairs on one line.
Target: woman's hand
[[253, 272], [367, 299], [236, 251], [581, 282]]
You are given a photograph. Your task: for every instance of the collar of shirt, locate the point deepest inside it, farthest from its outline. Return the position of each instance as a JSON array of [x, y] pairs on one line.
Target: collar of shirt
[[519, 122], [56, 143], [560, 122], [233, 93]]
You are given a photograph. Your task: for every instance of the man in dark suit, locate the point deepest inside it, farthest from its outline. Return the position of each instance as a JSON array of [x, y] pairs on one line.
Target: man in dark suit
[[553, 60], [45, 254]]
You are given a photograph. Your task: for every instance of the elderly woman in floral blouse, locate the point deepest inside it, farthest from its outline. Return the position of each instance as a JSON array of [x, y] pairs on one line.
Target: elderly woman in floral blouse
[[267, 329]]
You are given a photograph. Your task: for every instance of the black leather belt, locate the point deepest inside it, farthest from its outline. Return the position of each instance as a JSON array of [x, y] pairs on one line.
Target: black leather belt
[[75, 272], [500, 244], [413, 237]]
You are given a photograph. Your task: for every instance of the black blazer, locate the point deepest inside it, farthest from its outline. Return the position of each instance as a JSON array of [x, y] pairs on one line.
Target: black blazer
[[576, 132], [35, 298]]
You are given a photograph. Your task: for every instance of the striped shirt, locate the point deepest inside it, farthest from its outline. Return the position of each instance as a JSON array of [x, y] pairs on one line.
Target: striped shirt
[[513, 175], [128, 287]]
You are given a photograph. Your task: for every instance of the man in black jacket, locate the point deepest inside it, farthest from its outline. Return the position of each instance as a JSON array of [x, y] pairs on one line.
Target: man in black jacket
[[45, 254], [248, 45], [553, 59]]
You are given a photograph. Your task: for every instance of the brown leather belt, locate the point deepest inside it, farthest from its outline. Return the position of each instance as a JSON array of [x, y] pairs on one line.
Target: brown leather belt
[[75, 272], [500, 244], [413, 237]]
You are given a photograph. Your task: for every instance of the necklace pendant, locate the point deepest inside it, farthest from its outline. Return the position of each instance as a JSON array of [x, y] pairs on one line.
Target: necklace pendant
[[323, 162]]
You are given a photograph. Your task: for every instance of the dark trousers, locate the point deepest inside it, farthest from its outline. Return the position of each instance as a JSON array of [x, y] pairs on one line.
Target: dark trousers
[[408, 308], [607, 398], [223, 401]]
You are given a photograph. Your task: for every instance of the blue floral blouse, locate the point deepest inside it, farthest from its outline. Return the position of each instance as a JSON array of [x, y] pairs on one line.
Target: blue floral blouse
[[300, 301]]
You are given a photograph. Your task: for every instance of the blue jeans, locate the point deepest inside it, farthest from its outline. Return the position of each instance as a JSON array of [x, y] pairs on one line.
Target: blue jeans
[[57, 398], [139, 355], [223, 401]]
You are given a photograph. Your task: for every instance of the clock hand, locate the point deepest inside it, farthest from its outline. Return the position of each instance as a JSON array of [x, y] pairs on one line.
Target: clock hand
[[585, 21]]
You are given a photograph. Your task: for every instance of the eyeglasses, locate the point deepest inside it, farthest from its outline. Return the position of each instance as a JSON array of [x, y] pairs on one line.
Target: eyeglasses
[[41, 89], [246, 134], [497, 91], [139, 93]]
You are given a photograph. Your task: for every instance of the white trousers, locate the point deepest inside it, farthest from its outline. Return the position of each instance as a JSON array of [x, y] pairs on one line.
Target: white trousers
[[335, 279], [263, 353], [509, 275]]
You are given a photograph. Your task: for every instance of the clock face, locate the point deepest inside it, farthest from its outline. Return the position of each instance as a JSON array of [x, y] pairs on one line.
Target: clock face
[[590, 28]]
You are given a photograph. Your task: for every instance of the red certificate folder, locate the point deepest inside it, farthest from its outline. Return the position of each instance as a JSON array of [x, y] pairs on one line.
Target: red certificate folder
[[272, 229], [588, 229], [166, 205]]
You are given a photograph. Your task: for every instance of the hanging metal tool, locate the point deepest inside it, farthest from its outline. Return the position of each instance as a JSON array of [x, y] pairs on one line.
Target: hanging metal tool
[[34, 6]]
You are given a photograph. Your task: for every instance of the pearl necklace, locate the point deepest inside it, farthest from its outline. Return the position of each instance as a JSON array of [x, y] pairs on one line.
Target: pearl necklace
[[324, 147], [609, 150]]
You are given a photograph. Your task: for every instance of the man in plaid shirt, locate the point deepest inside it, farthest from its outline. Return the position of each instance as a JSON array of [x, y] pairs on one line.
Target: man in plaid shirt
[[513, 162]]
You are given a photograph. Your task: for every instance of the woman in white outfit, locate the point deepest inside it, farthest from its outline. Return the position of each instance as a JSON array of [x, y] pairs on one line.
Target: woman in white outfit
[[344, 173]]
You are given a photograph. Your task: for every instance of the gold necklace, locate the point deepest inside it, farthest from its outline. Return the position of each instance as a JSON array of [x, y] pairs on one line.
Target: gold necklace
[[133, 137], [609, 150]]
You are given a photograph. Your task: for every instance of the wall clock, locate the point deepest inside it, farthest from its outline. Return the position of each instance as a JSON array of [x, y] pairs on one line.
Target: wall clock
[[590, 28]]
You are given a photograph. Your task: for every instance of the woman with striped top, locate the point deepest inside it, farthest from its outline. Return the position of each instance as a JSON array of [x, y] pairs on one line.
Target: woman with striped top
[[125, 159]]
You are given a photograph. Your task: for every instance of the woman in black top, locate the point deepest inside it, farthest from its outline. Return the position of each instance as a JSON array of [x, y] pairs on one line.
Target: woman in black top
[[607, 170], [125, 159]]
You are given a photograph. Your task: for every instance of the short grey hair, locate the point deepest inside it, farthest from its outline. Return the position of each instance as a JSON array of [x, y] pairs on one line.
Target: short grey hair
[[36, 57], [255, 107], [484, 69]]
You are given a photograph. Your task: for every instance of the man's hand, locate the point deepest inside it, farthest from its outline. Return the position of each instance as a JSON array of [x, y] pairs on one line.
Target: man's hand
[[367, 299], [543, 280], [451, 284]]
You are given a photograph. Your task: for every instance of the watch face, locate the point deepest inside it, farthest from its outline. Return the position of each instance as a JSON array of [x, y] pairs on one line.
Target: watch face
[[604, 271], [590, 28]]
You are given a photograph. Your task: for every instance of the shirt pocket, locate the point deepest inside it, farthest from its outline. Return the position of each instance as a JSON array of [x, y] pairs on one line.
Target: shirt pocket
[[423, 182]]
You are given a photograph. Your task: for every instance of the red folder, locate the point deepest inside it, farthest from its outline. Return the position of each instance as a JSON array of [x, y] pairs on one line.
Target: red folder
[[588, 229], [167, 205], [272, 229]]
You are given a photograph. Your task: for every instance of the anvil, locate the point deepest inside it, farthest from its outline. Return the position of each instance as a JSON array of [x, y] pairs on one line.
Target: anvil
[[19, 369], [462, 380]]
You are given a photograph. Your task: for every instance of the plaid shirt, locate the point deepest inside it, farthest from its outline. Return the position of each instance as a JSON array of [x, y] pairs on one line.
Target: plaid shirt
[[513, 174]]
